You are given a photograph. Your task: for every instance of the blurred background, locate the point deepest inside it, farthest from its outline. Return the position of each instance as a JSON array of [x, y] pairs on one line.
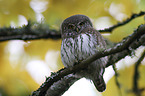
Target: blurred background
[[24, 65]]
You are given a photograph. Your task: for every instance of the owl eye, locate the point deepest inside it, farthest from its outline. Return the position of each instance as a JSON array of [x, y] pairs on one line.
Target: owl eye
[[81, 24], [71, 27]]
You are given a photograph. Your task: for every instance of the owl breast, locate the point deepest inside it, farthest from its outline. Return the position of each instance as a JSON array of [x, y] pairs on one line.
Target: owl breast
[[74, 50]]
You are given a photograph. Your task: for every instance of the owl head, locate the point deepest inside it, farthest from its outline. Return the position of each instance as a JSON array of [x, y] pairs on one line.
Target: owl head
[[74, 25]]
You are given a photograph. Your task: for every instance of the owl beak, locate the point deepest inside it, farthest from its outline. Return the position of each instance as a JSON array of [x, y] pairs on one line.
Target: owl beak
[[77, 29]]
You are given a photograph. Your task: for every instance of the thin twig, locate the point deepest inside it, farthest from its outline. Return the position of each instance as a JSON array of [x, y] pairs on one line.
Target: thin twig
[[116, 79], [110, 29], [136, 88]]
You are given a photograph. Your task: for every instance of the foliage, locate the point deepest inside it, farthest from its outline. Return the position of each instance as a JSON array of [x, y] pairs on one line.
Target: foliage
[[15, 78]]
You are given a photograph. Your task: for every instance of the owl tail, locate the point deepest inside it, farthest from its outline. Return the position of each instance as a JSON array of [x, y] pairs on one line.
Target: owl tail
[[99, 83]]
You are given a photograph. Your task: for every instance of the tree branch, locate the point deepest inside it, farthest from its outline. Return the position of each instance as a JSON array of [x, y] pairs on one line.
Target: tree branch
[[136, 88], [110, 29], [116, 79], [119, 51], [39, 31], [58, 88], [31, 31]]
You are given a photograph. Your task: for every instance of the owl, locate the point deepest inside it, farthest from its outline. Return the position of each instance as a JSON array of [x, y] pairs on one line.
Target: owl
[[79, 41]]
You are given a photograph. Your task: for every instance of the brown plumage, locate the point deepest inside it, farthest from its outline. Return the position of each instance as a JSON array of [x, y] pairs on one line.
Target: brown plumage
[[79, 41]]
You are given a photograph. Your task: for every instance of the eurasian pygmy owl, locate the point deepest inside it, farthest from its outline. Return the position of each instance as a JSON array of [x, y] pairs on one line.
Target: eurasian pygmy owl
[[79, 41]]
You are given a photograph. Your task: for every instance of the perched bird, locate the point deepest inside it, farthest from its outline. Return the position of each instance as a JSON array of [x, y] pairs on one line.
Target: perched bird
[[79, 41]]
